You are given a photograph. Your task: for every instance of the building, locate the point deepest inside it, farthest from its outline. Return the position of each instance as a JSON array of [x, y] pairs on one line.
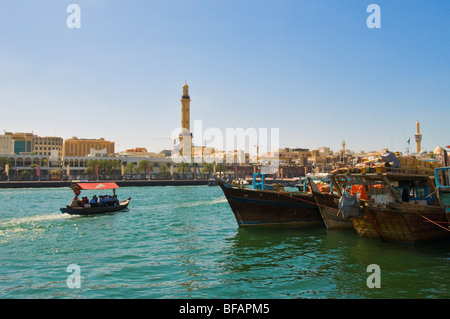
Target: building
[[48, 145], [29, 143], [5, 145], [140, 152], [294, 156], [84, 147], [21, 143]]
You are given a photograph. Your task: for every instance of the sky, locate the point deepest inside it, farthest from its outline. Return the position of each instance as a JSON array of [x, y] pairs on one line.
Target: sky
[[312, 69]]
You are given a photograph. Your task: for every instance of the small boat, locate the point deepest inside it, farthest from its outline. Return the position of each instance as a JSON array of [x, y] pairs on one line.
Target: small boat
[[76, 208], [259, 206], [402, 207]]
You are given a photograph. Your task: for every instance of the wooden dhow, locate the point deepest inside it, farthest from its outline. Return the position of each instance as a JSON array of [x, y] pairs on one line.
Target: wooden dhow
[[401, 207], [259, 206]]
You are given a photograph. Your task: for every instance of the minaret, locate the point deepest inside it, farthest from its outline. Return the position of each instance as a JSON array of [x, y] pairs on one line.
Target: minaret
[[185, 105], [185, 135], [418, 137]]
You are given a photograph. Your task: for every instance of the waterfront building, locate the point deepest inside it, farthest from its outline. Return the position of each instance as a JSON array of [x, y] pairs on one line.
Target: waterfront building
[[29, 143], [48, 145], [140, 152], [5, 145], [294, 156], [83, 147], [21, 143]]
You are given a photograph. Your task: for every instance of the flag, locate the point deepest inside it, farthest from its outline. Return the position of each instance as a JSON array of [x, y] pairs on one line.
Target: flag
[[408, 141], [38, 170], [96, 170]]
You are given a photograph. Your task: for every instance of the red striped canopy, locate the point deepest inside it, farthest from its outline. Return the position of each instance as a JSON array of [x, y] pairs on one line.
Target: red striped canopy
[[98, 185]]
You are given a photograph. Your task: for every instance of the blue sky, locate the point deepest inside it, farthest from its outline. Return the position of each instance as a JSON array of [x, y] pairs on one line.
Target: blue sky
[[313, 69]]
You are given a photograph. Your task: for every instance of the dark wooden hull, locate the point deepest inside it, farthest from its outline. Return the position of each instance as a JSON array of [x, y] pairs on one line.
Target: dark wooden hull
[[402, 222], [329, 210], [262, 207], [95, 210]]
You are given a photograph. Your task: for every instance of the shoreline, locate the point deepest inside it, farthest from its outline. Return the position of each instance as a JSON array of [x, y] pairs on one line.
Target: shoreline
[[120, 183]]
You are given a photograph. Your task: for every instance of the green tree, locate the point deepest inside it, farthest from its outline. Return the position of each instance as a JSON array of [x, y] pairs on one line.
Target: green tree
[[183, 168], [143, 166], [163, 170], [90, 167], [25, 174], [3, 161], [208, 168], [221, 168], [130, 168]]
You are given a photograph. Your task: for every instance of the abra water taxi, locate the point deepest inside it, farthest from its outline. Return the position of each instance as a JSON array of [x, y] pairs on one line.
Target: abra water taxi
[[106, 204]]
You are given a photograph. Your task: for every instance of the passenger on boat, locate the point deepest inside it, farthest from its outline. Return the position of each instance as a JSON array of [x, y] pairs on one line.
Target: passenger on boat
[[115, 200], [75, 202], [102, 200], [85, 200], [94, 201]]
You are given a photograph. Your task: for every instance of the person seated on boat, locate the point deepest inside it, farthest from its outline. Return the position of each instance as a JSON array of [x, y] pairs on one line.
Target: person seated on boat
[[115, 200], [102, 201], [75, 202], [110, 201], [94, 201]]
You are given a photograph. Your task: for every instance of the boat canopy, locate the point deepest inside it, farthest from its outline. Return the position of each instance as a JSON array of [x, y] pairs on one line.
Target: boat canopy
[[97, 185]]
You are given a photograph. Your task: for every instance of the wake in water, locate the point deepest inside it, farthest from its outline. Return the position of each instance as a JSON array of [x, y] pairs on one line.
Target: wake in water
[[14, 222]]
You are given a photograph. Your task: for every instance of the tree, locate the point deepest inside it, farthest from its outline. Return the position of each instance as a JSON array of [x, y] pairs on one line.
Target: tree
[[143, 166], [130, 168], [25, 174], [90, 166], [163, 170], [221, 168], [3, 161], [183, 168], [208, 168]]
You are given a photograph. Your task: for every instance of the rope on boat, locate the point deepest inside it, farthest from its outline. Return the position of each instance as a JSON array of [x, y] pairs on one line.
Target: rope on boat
[[433, 222]]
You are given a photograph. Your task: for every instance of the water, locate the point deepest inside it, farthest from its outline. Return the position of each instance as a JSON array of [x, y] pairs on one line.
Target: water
[[183, 242]]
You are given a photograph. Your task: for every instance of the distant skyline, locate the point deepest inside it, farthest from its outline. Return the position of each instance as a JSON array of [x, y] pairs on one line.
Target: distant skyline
[[313, 69]]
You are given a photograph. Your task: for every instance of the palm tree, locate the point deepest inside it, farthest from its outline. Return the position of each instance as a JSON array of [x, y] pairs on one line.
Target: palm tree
[[143, 166], [183, 168], [130, 167], [164, 170], [221, 168], [90, 166], [208, 168]]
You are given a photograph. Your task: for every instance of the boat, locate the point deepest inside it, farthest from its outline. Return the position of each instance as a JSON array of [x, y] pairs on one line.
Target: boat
[[259, 206], [336, 204], [77, 208], [399, 207]]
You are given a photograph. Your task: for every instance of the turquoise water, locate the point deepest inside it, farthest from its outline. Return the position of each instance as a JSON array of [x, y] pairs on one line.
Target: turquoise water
[[183, 242]]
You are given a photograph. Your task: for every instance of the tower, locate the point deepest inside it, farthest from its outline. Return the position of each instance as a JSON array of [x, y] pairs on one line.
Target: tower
[[185, 135], [185, 105], [418, 137]]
